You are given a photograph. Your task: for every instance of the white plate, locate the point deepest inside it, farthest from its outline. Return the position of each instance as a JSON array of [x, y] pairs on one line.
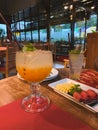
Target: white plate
[[83, 86], [19, 76], [52, 75]]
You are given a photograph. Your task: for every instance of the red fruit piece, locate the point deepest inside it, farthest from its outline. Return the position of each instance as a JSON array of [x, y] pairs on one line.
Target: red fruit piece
[[92, 94], [84, 95], [77, 96]]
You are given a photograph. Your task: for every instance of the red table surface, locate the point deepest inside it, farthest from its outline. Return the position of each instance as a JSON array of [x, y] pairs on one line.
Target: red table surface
[[13, 117]]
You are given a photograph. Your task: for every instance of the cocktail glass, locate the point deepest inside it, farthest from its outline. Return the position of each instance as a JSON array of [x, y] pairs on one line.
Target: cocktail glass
[[34, 67], [76, 63]]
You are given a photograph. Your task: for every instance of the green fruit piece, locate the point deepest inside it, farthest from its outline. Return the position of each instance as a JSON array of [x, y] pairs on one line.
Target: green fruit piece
[[75, 88], [71, 92]]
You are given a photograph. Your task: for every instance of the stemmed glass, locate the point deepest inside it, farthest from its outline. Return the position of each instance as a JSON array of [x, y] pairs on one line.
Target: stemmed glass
[[34, 67]]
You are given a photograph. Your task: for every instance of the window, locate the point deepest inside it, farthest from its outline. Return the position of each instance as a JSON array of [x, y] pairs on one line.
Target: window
[[22, 26], [79, 32], [60, 32], [35, 36], [3, 31], [25, 25], [28, 36], [22, 34], [43, 36], [17, 34], [91, 24]]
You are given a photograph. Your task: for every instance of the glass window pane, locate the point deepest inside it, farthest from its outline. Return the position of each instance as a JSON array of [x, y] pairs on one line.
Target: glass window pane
[[3, 31], [59, 32], [79, 32], [17, 34], [22, 36], [21, 25], [13, 27], [28, 36], [27, 24], [43, 35], [91, 24], [34, 23], [16, 26], [35, 36]]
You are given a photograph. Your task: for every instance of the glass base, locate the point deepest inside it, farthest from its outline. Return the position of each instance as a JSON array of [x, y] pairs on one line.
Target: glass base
[[35, 104]]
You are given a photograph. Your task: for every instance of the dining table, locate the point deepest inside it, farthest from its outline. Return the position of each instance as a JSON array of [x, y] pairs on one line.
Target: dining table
[[63, 114]]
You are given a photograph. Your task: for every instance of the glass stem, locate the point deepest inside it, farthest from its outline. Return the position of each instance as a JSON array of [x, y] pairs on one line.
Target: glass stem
[[35, 89]]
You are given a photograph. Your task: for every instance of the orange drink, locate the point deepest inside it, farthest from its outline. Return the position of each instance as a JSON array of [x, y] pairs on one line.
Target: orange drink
[[34, 74]]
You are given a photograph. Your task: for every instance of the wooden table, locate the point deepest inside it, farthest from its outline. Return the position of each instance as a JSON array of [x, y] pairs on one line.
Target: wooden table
[[13, 88]]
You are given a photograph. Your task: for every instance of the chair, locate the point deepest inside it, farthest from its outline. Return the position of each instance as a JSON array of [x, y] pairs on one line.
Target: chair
[[9, 68]]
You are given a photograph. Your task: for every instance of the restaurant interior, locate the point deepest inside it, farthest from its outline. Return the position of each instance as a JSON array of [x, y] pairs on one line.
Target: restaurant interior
[[59, 29]]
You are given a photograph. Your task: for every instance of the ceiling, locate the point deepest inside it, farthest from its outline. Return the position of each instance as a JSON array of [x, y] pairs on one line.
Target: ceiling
[[55, 8], [9, 7], [78, 4], [80, 8]]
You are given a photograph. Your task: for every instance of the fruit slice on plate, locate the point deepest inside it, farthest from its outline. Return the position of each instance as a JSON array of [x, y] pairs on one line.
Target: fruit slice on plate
[[89, 97]]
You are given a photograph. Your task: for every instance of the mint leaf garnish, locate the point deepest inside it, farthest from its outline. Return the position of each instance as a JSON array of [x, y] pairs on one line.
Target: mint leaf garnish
[[28, 47], [75, 52]]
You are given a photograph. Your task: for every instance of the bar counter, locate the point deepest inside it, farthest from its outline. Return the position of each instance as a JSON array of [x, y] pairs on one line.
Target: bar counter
[[13, 88]]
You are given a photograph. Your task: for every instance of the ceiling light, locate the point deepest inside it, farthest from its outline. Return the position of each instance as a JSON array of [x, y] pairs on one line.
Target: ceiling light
[[71, 7], [71, 17], [51, 16], [65, 7], [92, 7], [84, 0]]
